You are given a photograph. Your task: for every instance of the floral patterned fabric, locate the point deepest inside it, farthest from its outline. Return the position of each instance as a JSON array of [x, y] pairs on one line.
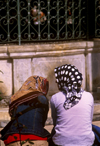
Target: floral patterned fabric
[[31, 88]]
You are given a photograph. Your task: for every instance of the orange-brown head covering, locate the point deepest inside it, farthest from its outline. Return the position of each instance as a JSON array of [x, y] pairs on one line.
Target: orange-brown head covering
[[31, 88]]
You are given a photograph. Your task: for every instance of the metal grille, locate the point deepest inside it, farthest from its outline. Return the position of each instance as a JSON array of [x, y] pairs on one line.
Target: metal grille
[[97, 18], [42, 20]]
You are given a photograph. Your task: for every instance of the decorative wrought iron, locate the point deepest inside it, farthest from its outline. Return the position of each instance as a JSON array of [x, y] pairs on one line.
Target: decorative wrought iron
[[97, 18], [42, 20]]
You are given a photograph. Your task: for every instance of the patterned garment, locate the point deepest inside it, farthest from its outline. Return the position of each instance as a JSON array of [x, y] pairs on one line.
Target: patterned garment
[[31, 88], [69, 81]]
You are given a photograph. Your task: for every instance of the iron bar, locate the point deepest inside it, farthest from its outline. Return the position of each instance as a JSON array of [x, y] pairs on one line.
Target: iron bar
[[29, 20], [48, 19], [66, 16], [57, 19], [73, 30], [18, 14], [80, 18], [8, 34], [39, 19]]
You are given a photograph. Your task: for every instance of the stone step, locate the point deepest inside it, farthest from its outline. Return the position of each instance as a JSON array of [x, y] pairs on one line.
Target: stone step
[[4, 117]]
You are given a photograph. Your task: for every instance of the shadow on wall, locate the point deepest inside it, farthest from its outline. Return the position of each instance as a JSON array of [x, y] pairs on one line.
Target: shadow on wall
[[52, 84], [95, 71], [4, 98], [95, 59]]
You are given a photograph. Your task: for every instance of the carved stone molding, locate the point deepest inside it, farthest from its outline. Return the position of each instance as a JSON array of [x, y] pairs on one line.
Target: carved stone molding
[[42, 50]]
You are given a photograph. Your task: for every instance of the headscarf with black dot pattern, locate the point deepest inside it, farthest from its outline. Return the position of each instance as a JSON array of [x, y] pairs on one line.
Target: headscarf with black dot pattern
[[69, 81]]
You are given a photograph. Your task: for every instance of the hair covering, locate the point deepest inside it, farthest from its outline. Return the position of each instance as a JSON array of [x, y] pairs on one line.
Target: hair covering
[[69, 81], [31, 88]]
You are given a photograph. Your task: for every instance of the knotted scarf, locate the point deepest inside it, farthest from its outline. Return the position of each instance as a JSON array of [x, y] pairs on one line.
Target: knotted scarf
[[69, 81], [31, 88]]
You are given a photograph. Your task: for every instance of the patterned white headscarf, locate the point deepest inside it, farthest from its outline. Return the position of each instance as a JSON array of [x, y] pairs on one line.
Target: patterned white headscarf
[[69, 81]]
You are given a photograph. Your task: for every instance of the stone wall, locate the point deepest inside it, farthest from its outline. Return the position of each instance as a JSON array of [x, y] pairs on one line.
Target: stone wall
[[19, 62]]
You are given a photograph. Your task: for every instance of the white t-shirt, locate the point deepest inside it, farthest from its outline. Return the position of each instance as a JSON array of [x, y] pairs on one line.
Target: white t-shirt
[[73, 127]]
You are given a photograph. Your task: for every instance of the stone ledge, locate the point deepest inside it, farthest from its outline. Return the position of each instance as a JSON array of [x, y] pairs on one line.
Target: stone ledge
[[50, 47], [47, 49]]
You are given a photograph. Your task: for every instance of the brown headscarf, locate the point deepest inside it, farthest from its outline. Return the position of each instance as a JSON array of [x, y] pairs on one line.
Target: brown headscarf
[[31, 88]]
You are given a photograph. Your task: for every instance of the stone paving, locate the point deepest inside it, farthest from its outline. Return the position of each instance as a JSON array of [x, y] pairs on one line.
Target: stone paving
[[4, 115]]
